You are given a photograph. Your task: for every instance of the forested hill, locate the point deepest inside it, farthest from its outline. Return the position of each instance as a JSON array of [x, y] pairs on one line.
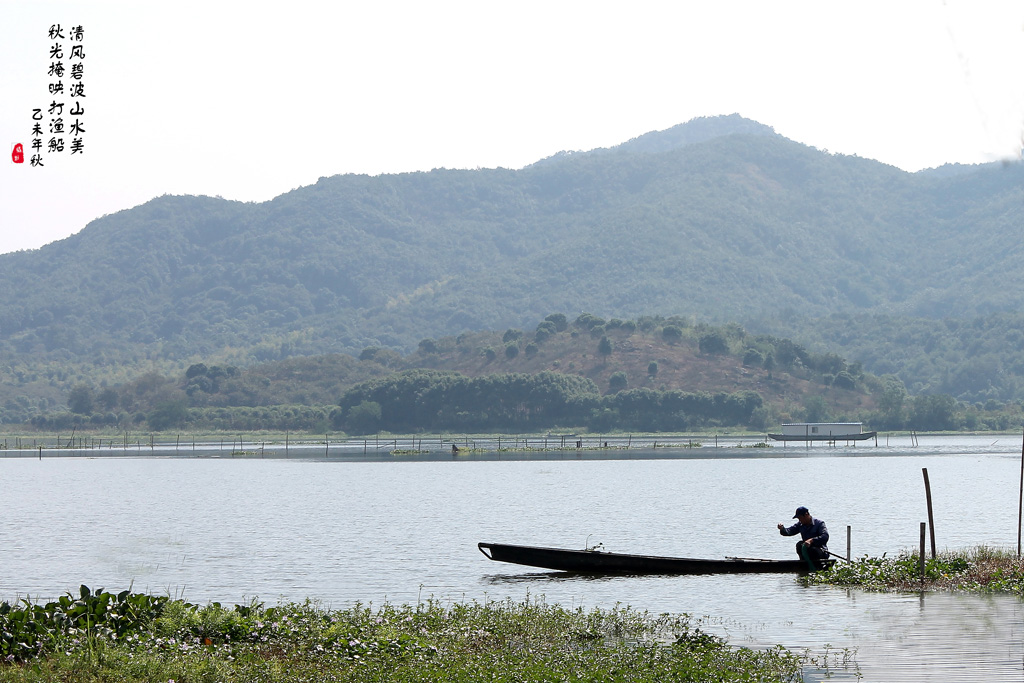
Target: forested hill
[[652, 374], [720, 219]]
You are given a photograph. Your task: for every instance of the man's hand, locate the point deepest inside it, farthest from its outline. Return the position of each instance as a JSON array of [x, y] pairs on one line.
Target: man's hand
[[782, 527]]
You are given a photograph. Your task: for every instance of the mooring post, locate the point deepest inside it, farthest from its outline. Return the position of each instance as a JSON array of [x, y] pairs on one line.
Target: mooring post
[[848, 555], [922, 551], [931, 519]]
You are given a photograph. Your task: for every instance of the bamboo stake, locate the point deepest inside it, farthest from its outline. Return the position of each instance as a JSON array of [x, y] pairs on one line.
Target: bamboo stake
[[922, 551], [1020, 503], [931, 519]]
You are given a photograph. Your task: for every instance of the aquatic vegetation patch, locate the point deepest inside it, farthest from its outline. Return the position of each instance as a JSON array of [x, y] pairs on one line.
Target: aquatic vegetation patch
[[130, 637], [981, 569]]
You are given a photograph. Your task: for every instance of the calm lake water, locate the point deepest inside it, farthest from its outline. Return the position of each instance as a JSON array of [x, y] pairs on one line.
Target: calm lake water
[[361, 527]]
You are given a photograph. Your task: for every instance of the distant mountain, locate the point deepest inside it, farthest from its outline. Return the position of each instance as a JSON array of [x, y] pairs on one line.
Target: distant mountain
[[719, 218], [689, 133], [694, 132]]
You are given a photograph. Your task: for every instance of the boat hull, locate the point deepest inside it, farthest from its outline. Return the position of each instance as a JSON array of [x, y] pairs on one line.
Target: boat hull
[[594, 562]]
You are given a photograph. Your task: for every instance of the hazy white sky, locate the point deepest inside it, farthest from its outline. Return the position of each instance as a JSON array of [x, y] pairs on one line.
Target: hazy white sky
[[250, 100]]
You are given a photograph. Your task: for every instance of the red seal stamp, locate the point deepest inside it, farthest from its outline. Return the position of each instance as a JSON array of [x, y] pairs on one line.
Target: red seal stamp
[[18, 154]]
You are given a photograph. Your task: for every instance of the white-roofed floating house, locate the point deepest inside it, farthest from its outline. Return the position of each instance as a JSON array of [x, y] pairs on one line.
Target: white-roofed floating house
[[824, 431]]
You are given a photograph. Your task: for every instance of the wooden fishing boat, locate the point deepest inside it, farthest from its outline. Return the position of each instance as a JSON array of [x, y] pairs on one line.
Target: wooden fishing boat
[[600, 562]]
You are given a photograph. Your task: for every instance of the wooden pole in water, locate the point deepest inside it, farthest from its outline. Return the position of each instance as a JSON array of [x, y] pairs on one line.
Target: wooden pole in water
[[1020, 503], [922, 552], [931, 519], [848, 553]]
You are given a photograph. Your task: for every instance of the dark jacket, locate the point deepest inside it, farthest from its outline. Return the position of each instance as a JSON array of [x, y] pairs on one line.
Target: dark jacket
[[815, 531]]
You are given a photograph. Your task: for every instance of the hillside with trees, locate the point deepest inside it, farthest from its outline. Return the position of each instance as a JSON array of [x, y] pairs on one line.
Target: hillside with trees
[[719, 220], [652, 374]]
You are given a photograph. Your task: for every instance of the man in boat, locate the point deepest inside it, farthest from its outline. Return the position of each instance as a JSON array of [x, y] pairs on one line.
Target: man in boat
[[813, 545]]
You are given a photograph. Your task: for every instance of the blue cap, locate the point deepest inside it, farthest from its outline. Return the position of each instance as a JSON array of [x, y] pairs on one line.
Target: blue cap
[[801, 511]]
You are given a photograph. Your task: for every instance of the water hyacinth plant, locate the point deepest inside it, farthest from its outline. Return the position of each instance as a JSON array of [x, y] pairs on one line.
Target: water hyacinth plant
[[980, 569], [128, 637]]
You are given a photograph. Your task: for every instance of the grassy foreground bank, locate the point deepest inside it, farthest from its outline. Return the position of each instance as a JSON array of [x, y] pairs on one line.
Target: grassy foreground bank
[[133, 637], [979, 570]]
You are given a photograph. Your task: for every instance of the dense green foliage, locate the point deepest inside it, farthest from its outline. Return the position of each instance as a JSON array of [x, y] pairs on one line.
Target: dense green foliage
[[718, 218], [418, 400], [128, 637], [33, 630]]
